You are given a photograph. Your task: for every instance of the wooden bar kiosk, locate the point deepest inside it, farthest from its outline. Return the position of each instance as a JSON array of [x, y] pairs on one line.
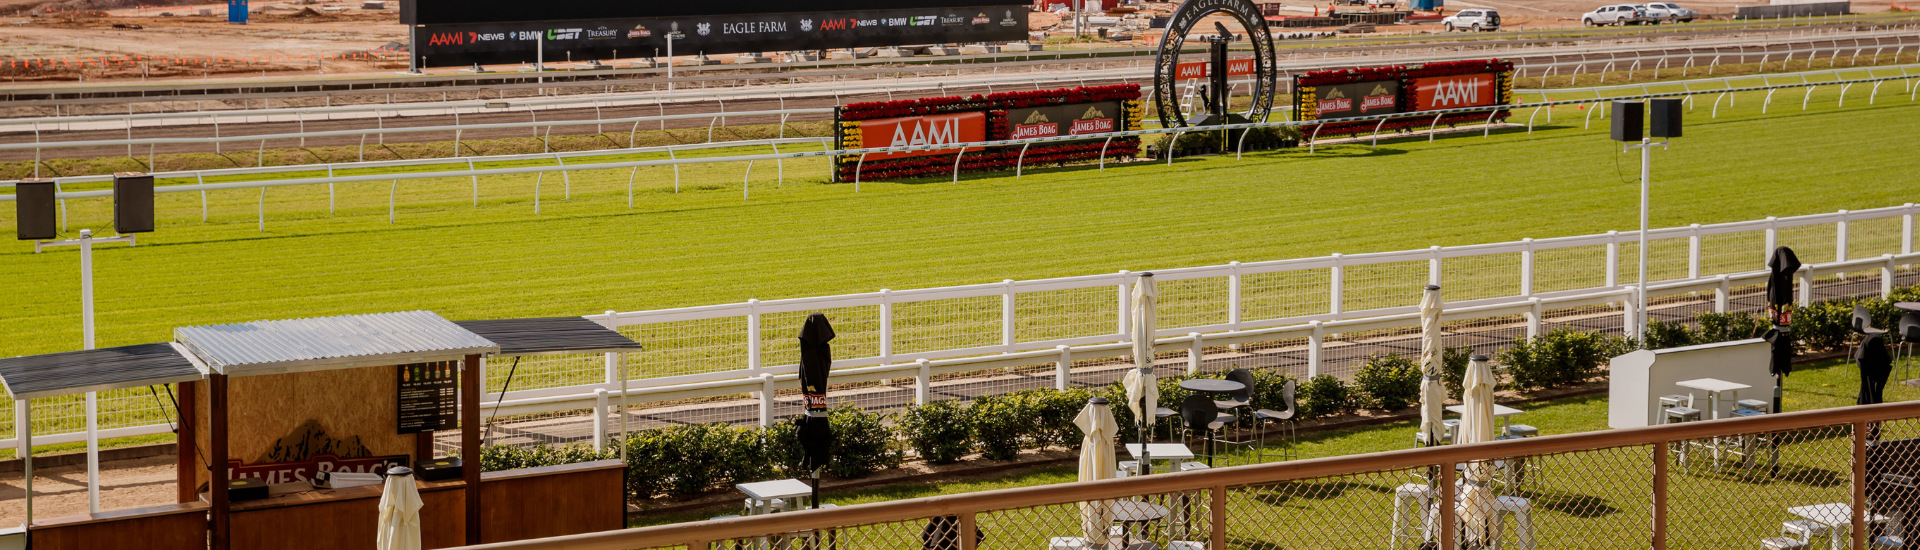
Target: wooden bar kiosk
[[276, 419]]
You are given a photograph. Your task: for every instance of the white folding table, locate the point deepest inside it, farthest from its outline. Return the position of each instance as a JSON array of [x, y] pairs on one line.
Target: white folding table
[[1838, 517]]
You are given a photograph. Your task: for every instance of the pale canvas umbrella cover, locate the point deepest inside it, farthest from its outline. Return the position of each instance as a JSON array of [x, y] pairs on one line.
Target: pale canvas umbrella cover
[[1433, 388], [1476, 426], [1096, 463], [1143, 392], [399, 511]]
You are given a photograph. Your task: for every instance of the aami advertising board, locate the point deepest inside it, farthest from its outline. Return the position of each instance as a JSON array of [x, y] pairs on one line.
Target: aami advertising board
[[922, 130], [1358, 99], [1452, 92], [1065, 120]]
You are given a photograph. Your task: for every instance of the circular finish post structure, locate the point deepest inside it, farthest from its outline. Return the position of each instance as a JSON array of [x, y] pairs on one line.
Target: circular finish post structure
[[1167, 60]]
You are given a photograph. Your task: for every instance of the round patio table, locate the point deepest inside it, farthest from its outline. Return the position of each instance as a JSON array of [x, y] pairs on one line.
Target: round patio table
[[1211, 385], [1908, 306]]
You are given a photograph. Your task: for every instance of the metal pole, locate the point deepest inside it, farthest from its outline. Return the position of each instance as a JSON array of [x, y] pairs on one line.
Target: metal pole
[[93, 421], [26, 451], [1646, 182]]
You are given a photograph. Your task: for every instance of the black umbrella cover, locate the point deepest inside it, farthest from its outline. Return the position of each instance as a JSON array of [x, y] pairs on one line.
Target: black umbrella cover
[[1780, 361], [816, 359], [1876, 365], [1780, 270], [816, 440]]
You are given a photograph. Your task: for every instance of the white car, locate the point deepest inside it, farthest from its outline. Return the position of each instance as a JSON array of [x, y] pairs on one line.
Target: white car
[[1617, 14], [1671, 12], [1475, 19]]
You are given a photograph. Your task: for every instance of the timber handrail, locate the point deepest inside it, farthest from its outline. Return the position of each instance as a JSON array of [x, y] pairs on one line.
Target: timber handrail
[[1238, 476]]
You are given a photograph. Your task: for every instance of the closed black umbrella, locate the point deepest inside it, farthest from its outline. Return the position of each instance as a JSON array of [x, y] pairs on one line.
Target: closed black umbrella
[[816, 361], [1780, 270]]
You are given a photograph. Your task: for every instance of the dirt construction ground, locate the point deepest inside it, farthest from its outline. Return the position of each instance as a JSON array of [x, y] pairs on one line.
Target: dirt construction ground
[[286, 37]]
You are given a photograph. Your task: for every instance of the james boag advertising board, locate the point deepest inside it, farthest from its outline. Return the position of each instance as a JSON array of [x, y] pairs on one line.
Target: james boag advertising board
[[1452, 92], [1065, 120], [954, 129]]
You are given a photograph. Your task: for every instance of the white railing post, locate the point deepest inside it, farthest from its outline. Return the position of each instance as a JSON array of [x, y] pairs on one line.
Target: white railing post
[[1193, 354], [886, 323], [612, 365], [1806, 286], [1721, 294], [1613, 259], [1314, 343], [1773, 239], [1886, 278], [19, 423], [923, 383], [1627, 314], [753, 337], [1693, 253], [1433, 266], [766, 400], [1335, 279], [1533, 318], [1840, 238], [600, 419], [1233, 296], [1906, 230], [1063, 368], [1007, 337], [1126, 307], [1526, 267]]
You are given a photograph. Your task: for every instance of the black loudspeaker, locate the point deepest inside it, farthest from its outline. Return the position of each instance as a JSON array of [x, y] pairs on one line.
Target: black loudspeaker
[[33, 204], [1629, 117], [132, 202], [1666, 118]]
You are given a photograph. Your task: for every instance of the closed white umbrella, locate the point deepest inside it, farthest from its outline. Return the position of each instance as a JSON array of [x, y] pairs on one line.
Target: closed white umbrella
[[1096, 463], [1143, 392], [1433, 388], [1476, 426], [399, 511]]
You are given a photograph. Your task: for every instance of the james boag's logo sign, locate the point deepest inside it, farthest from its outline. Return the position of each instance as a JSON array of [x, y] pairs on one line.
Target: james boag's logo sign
[[1091, 122], [639, 31], [1036, 126], [1335, 101], [950, 129], [1448, 92], [1379, 98]]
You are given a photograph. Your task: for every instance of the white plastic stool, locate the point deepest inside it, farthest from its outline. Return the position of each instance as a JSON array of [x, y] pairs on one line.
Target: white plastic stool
[[1522, 511], [1069, 543], [1782, 543], [1191, 466], [1805, 530], [1410, 513], [1186, 545]]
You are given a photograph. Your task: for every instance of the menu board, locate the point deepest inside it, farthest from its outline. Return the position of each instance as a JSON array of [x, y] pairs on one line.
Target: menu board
[[428, 400]]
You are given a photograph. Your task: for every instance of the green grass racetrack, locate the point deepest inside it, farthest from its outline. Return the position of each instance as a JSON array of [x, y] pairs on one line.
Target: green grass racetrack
[[705, 244]]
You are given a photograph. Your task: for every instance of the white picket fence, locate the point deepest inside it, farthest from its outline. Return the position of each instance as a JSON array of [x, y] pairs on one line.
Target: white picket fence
[[748, 350]]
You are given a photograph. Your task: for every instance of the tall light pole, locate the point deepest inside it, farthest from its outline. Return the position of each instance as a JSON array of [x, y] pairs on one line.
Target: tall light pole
[[86, 242], [1628, 117]]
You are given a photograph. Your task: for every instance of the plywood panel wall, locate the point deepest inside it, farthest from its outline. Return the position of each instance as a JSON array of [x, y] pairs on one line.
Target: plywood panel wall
[[355, 406]]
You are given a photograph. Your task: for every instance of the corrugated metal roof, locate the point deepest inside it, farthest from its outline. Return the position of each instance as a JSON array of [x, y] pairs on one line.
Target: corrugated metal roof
[[550, 335], [72, 372], [324, 343]]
